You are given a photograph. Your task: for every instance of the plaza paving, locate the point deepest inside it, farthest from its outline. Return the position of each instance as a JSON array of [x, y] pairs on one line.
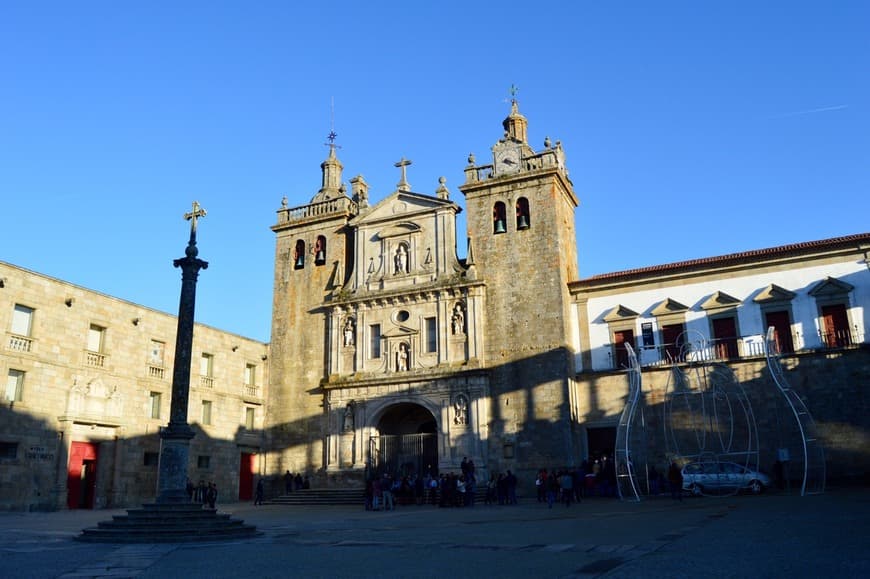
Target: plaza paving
[[773, 535]]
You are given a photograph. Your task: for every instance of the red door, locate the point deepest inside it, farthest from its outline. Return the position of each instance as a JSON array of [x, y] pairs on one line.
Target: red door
[[620, 339], [836, 326], [781, 331], [81, 482], [725, 337], [246, 476]]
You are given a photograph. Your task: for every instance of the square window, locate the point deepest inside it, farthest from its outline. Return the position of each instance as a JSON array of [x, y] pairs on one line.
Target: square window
[[206, 412], [250, 375], [151, 459], [14, 385], [203, 461], [206, 365], [154, 400], [155, 354], [22, 320], [8, 450], [96, 335]]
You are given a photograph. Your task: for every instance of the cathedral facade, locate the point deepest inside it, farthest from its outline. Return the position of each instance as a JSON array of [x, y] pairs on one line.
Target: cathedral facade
[[389, 353]]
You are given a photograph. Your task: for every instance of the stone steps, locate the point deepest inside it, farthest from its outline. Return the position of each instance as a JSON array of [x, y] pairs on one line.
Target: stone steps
[[168, 523]]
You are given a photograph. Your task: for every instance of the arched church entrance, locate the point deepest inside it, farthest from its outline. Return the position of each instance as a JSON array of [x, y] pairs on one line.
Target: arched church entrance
[[407, 442]]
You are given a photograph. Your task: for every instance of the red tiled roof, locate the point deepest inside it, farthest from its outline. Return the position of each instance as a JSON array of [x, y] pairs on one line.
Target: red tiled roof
[[735, 258]]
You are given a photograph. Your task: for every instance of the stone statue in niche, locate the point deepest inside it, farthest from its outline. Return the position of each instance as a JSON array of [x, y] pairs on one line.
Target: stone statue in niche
[[458, 320], [460, 410], [347, 425], [349, 332], [401, 259], [402, 358]]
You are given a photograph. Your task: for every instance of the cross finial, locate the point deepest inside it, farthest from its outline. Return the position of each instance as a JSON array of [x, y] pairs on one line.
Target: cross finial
[[403, 184], [197, 212], [513, 90]]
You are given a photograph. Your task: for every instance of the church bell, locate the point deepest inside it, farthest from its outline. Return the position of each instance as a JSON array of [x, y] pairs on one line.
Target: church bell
[[522, 222], [300, 261], [499, 226]]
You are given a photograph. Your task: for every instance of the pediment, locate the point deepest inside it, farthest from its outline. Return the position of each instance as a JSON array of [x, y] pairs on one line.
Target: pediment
[[720, 300], [774, 293], [669, 306], [620, 313], [398, 230], [402, 206], [831, 287], [400, 332]]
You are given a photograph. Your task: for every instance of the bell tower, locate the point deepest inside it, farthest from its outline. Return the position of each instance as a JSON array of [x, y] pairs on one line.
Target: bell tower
[[522, 239], [312, 259]]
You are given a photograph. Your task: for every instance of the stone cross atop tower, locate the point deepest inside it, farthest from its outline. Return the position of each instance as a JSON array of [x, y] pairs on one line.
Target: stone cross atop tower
[[403, 184]]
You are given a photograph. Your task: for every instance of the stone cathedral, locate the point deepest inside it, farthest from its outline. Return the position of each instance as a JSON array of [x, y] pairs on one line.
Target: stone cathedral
[[390, 353]]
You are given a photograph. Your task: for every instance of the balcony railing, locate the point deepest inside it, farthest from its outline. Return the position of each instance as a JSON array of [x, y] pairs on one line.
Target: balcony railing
[[206, 382], [253, 391], [736, 348], [156, 372], [20, 343], [95, 359]]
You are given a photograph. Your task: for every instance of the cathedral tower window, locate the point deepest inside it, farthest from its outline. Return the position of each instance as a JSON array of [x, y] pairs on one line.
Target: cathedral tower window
[[524, 220], [431, 334], [320, 250], [375, 341], [499, 218], [299, 255]]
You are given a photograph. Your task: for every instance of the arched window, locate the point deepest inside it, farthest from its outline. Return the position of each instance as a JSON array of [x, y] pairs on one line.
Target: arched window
[[524, 220], [299, 255], [320, 250], [499, 224]]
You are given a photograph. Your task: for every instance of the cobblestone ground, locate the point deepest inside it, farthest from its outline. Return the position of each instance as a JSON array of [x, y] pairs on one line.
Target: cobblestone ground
[[745, 536]]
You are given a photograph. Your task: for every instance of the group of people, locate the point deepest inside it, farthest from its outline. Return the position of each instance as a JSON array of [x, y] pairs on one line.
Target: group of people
[[206, 495], [295, 482]]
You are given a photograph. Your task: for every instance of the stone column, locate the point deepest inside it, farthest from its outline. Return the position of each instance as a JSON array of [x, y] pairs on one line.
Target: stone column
[[175, 438]]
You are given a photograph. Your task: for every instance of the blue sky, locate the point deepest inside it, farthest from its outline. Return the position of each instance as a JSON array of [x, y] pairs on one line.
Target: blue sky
[[691, 129]]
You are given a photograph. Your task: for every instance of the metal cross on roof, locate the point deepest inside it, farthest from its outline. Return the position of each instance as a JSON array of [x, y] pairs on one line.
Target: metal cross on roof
[[197, 212]]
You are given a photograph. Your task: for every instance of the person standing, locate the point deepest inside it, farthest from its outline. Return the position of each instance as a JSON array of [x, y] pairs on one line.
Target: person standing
[[288, 482], [675, 479], [258, 497]]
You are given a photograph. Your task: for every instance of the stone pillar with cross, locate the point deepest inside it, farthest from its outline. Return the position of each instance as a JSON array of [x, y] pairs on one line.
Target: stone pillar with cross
[[175, 438]]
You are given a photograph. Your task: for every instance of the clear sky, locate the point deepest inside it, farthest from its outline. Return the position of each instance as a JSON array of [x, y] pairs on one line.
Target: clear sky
[[691, 129]]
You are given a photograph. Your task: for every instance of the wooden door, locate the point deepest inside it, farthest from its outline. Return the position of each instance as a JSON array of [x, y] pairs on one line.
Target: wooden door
[[725, 337], [670, 335], [247, 467], [781, 330], [620, 339], [81, 475], [835, 326]]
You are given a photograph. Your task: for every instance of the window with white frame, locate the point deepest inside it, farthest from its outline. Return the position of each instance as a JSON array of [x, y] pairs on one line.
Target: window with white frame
[[249, 417], [206, 412], [22, 320], [154, 404], [206, 365], [14, 385], [96, 338]]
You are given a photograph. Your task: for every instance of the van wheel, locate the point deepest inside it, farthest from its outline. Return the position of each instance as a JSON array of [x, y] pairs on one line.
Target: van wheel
[[755, 487], [696, 490]]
